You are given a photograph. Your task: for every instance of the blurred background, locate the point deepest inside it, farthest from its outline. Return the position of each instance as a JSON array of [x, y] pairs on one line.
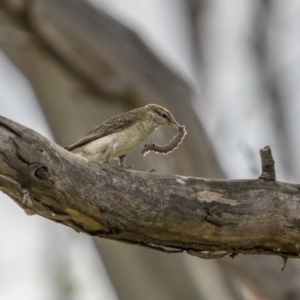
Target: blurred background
[[227, 70]]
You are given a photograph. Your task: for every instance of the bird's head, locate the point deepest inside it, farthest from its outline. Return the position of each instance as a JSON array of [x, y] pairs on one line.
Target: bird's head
[[161, 116]]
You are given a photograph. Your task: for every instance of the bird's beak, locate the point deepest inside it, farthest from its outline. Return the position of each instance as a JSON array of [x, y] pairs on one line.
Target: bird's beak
[[176, 125]]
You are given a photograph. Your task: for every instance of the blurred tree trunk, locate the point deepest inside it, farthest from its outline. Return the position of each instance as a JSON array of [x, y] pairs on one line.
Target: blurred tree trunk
[[86, 67], [250, 84]]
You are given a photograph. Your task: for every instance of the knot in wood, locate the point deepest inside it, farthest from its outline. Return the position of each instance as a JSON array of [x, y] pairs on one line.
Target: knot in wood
[[41, 173]]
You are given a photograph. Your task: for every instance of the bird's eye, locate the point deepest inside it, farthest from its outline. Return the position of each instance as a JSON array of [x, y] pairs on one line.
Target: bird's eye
[[164, 116]]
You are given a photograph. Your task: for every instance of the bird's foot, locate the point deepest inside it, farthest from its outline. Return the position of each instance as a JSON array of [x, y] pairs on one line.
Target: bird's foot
[[130, 167], [152, 171]]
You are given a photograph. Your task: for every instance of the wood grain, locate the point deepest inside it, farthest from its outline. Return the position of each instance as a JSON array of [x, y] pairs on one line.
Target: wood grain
[[207, 218]]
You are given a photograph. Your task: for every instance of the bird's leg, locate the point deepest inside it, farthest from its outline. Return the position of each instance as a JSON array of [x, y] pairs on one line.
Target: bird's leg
[[122, 162], [108, 152]]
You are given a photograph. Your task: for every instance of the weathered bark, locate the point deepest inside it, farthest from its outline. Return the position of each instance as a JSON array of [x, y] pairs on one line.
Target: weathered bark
[[207, 218]]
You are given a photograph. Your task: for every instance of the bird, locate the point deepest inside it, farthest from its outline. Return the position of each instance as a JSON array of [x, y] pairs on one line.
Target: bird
[[121, 134]]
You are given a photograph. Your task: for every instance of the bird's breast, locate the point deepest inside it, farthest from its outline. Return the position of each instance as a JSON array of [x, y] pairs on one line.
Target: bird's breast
[[119, 143]]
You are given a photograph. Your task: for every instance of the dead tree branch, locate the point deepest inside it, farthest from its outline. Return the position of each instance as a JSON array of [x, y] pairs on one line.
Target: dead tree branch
[[206, 218]]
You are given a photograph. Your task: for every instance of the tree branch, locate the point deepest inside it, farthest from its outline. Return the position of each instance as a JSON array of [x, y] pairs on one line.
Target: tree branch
[[204, 217]]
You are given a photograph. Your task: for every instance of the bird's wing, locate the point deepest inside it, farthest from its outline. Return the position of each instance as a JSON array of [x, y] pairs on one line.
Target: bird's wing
[[113, 124]]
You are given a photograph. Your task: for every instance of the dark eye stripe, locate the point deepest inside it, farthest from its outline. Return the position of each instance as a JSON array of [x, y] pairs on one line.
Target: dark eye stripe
[[161, 113]]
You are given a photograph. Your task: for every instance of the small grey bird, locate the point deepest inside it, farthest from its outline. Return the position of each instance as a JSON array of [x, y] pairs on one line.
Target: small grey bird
[[121, 134]]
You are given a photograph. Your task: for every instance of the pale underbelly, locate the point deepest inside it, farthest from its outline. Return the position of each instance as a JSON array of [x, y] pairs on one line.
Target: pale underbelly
[[117, 144]]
